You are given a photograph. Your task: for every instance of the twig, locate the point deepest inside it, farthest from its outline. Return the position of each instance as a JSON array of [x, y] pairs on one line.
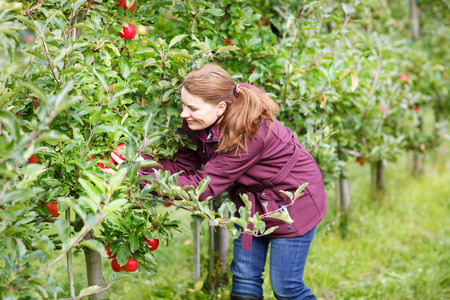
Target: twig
[[90, 137], [93, 293], [351, 152], [79, 239], [69, 260], [377, 74]]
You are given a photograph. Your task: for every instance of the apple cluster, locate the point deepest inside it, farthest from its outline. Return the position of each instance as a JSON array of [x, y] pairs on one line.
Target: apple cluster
[[132, 264]]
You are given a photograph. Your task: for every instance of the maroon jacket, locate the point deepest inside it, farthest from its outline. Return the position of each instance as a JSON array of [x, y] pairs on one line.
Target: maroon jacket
[[273, 162]]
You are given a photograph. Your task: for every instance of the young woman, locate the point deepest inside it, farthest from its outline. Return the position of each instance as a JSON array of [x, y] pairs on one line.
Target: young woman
[[242, 147]]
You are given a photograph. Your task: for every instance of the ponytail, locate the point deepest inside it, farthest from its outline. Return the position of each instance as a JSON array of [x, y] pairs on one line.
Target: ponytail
[[242, 118]]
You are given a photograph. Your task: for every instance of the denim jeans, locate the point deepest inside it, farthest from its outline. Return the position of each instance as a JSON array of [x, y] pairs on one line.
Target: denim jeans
[[287, 263]]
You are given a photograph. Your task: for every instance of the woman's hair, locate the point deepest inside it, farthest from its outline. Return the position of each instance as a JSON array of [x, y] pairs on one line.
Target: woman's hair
[[246, 105]]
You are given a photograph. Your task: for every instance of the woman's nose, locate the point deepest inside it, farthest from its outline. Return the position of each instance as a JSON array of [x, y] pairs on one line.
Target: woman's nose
[[184, 114]]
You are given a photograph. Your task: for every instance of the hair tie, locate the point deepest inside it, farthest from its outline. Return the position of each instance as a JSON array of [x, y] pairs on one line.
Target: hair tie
[[236, 90]]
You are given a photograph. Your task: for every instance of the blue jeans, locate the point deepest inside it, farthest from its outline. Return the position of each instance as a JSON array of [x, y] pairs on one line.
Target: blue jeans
[[287, 263]]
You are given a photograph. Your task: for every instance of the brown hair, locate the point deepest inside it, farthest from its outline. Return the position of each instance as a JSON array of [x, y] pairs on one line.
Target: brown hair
[[245, 106]]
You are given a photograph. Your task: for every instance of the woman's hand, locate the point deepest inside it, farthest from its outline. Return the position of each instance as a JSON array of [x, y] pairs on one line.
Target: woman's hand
[[117, 161]]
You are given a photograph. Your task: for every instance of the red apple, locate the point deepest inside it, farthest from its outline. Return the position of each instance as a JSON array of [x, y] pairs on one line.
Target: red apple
[[28, 39], [125, 7], [416, 108], [382, 108], [131, 265], [115, 265], [360, 160], [33, 158], [403, 78], [40, 1], [108, 251], [128, 32], [52, 207], [153, 244], [228, 42], [110, 89], [36, 105]]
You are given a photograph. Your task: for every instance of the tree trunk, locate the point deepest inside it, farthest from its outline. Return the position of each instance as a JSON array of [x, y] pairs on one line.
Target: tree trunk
[[343, 192], [378, 179], [196, 233], [414, 20], [418, 157], [93, 267]]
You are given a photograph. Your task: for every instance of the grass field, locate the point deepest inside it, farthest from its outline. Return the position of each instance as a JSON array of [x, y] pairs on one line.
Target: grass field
[[397, 248]]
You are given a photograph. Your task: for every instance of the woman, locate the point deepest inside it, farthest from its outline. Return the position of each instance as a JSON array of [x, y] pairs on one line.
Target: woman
[[244, 148]]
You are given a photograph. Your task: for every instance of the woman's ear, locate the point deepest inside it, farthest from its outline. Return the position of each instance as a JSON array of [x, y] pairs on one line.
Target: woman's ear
[[221, 107]]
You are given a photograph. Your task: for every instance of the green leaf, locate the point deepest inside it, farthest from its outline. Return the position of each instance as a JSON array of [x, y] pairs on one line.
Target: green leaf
[[177, 39], [346, 8], [355, 80], [63, 94], [149, 163], [101, 76], [89, 290], [203, 185], [11, 122], [247, 202], [117, 179], [116, 205], [255, 76], [215, 12], [227, 48], [99, 182], [95, 245], [104, 128], [122, 255], [90, 190], [134, 243], [299, 191], [239, 222], [27, 21], [285, 217], [148, 122], [124, 67], [62, 228], [53, 138]]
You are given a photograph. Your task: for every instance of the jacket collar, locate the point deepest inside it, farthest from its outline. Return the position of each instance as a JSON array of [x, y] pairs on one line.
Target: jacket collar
[[212, 133]]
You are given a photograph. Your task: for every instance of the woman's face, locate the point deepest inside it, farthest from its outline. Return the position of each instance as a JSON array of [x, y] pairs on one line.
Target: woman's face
[[198, 113]]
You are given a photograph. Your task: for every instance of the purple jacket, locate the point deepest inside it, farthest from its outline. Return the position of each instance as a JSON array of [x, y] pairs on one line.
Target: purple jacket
[[273, 162]]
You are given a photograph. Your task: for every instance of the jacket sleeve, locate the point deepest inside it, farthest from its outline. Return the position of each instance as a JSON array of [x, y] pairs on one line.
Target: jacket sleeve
[[224, 169], [187, 161]]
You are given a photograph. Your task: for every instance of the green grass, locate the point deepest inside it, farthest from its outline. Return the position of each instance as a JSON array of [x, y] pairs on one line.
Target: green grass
[[396, 248]]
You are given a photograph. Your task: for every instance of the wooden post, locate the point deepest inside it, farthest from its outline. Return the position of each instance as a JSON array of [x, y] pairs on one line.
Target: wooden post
[[378, 179], [218, 250], [93, 267]]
